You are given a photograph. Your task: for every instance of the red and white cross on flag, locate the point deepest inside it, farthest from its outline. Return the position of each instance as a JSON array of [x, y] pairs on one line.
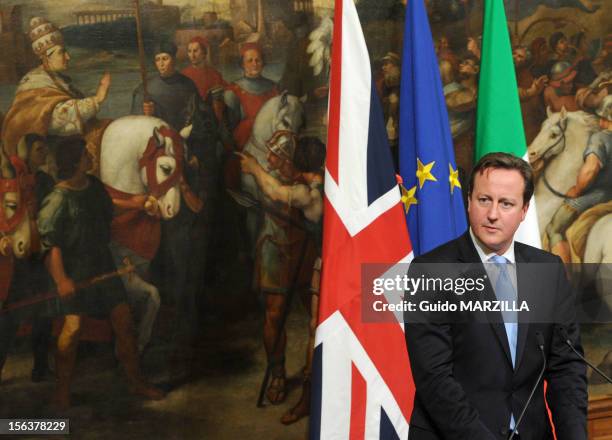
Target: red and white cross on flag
[[362, 385]]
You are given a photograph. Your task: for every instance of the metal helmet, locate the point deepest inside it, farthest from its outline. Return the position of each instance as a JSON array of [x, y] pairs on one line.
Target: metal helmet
[[561, 72], [560, 69], [282, 143], [605, 108]]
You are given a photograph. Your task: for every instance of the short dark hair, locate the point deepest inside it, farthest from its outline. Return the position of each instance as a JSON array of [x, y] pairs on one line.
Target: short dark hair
[[504, 161], [309, 155], [31, 138], [555, 38], [166, 47], [68, 153]]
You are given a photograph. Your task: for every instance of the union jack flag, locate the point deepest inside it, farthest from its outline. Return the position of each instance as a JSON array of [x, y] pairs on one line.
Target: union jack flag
[[362, 385]]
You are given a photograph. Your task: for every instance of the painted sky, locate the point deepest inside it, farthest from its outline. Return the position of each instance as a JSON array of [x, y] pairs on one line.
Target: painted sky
[[61, 13]]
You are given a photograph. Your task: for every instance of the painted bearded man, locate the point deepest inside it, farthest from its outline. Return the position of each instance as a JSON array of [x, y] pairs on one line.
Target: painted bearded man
[[46, 102], [246, 96]]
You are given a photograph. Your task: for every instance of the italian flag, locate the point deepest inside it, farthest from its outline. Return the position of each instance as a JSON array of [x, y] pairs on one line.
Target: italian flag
[[499, 125]]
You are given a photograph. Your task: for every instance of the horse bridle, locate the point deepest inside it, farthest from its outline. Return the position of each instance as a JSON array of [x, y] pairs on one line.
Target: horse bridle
[[8, 225], [148, 161], [562, 138], [265, 147]]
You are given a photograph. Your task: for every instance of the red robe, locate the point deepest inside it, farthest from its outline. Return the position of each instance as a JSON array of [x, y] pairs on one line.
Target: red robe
[[251, 104], [205, 78]]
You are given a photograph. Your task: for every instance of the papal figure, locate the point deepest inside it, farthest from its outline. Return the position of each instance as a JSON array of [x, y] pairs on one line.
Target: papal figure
[[46, 102]]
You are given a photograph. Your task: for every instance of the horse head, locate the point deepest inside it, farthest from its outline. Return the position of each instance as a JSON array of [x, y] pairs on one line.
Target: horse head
[[15, 233], [276, 126], [550, 141], [560, 132], [161, 169]]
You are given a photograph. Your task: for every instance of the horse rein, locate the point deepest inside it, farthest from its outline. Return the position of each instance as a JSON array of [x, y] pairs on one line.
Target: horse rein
[[562, 138]]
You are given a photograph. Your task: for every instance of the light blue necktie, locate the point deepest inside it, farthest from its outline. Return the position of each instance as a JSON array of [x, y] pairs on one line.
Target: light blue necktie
[[505, 291]]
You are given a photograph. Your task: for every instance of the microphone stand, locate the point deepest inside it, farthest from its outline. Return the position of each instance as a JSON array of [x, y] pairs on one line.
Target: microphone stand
[[568, 341], [540, 340]]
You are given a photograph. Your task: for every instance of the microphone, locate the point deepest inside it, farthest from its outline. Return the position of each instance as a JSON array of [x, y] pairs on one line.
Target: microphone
[[568, 341], [540, 341]]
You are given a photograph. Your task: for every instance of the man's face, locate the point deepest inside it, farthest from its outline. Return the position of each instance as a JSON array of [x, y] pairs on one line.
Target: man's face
[[275, 161], [165, 64], [390, 70], [57, 59], [561, 46], [196, 54], [38, 155], [252, 63], [495, 207], [468, 68], [519, 55], [443, 43]]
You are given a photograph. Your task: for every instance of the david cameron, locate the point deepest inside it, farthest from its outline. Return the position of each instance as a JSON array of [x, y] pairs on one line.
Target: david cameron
[[473, 378]]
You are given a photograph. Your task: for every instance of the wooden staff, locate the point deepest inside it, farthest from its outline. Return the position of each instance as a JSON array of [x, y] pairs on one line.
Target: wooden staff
[[126, 269], [517, 12], [141, 53]]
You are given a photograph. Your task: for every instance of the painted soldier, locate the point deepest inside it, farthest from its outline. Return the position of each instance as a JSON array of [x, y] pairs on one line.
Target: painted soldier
[[74, 224], [307, 195], [278, 248], [46, 102], [561, 91], [247, 95], [593, 183]]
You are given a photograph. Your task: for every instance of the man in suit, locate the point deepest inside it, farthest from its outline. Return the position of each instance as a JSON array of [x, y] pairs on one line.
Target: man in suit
[[473, 378]]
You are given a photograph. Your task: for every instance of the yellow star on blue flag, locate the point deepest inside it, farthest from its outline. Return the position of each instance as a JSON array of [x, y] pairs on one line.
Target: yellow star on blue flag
[[408, 197], [423, 172], [453, 178], [425, 134]]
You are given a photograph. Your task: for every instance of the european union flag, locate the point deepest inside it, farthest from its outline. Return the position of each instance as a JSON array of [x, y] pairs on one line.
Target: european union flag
[[431, 190]]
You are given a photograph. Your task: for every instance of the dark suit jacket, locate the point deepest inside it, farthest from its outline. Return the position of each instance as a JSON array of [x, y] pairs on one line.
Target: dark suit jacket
[[466, 385]]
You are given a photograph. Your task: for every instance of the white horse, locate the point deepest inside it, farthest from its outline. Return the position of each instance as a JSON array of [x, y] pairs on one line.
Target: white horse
[[556, 156], [139, 155], [278, 120], [121, 153], [15, 223]]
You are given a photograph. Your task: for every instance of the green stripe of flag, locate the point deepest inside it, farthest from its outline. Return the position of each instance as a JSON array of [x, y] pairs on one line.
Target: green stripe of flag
[[499, 125]]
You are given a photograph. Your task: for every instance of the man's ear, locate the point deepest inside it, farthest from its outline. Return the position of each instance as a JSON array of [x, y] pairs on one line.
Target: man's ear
[[525, 208]]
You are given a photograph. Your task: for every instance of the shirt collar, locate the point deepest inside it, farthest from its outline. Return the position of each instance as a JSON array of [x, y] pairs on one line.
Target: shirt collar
[[484, 257]]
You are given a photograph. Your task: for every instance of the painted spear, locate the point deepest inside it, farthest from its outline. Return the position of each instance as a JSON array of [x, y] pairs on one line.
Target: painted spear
[[126, 269], [141, 52]]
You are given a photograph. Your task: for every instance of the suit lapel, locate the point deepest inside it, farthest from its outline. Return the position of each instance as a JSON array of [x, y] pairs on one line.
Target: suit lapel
[[522, 283], [468, 254]]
